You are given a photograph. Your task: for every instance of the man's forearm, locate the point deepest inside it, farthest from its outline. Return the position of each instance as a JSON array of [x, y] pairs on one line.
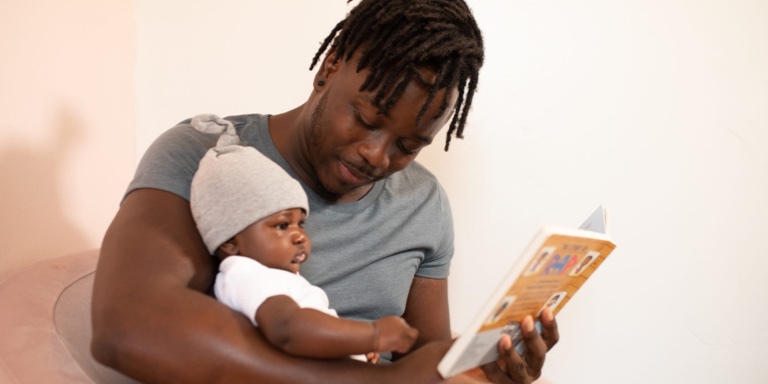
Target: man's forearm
[[214, 344]]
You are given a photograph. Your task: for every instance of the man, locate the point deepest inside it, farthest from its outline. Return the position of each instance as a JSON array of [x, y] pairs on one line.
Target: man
[[395, 72]]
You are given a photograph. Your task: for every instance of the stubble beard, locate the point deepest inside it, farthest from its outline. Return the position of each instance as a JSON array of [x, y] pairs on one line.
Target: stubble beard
[[317, 137]]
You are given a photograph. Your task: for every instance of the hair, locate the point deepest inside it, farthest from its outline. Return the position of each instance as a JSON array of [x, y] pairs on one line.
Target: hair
[[396, 38]]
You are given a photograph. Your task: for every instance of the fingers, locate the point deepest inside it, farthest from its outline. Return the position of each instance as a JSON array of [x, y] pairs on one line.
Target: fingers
[[513, 368], [549, 328], [495, 374], [535, 348]]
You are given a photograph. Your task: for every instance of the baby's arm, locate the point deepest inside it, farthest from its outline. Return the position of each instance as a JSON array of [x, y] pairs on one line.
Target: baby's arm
[[311, 333]]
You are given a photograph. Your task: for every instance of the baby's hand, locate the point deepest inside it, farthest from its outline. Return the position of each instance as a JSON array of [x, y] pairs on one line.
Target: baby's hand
[[392, 333]]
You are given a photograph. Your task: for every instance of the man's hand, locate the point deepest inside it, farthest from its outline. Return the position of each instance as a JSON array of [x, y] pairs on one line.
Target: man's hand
[[513, 368], [392, 333]]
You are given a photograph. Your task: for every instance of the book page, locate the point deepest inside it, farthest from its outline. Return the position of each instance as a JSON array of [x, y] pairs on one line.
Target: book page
[[597, 221]]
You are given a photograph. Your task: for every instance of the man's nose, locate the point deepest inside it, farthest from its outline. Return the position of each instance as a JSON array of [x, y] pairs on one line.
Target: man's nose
[[375, 150]]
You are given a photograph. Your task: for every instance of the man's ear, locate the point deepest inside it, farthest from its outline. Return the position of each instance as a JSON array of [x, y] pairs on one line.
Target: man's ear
[[229, 248], [328, 67]]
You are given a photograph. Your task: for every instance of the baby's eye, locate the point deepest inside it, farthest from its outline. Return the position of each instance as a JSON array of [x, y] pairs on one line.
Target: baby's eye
[[282, 226], [301, 224]]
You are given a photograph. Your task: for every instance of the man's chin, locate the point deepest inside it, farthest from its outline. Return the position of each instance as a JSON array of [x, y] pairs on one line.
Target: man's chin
[[329, 193], [334, 189], [345, 192]]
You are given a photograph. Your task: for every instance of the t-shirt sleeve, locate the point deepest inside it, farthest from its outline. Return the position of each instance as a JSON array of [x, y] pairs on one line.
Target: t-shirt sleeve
[[437, 264], [172, 160]]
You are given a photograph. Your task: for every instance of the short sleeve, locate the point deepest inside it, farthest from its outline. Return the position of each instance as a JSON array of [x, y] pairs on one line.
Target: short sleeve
[[172, 160], [437, 264]]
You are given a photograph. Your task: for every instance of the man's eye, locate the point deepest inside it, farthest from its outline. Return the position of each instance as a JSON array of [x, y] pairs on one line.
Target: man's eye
[[405, 149], [362, 122]]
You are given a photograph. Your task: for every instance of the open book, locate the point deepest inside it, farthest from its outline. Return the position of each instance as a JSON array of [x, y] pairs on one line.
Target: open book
[[548, 273]]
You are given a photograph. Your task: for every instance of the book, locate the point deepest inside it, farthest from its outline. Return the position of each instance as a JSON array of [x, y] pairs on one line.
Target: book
[[550, 270]]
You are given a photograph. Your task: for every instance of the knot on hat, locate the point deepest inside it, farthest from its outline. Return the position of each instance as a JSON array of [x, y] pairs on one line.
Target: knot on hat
[[210, 123]]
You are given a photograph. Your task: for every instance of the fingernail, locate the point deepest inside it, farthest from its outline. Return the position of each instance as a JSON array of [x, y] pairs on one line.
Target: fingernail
[[505, 343], [548, 316], [528, 324]]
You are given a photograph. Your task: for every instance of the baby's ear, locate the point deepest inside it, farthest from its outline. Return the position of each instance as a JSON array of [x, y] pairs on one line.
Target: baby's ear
[[229, 248]]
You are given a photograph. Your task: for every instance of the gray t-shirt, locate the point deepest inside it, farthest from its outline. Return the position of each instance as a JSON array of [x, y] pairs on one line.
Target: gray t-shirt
[[364, 253]]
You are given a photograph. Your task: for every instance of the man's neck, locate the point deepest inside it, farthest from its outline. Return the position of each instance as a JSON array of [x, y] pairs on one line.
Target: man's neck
[[288, 135]]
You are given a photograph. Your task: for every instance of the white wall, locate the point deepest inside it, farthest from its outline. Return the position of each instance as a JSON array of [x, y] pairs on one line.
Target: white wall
[[660, 111], [66, 101], [657, 109], [230, 57]]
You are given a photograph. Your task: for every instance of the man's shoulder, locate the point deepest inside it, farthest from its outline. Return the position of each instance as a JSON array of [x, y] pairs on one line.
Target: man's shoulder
[[415, 178], [184, 134], [416, 173], [245, 119]]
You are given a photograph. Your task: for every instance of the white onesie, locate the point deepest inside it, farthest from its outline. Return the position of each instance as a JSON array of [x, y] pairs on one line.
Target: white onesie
[[243, 284]]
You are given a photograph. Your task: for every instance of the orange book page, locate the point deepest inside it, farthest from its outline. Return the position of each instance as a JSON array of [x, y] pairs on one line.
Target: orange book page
[[558, 269]]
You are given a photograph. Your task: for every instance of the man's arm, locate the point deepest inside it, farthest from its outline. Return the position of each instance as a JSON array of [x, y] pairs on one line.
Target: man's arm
[[152, 321], [308, 332], [427, 309]]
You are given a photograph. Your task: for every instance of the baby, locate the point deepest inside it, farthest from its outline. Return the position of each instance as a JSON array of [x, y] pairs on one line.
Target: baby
[[250, 214]]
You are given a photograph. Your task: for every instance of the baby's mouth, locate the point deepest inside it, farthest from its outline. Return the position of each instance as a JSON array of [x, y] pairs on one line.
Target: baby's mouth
[[299, 257]]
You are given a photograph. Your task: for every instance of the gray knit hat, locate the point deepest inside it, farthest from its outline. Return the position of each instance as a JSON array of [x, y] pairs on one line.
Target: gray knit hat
[[237, 186]]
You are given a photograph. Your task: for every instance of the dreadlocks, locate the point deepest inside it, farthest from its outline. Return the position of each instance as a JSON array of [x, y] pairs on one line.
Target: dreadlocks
[[396, 38]]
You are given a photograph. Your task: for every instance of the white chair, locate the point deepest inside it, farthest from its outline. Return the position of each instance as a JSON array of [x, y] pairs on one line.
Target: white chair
[[45, 324]]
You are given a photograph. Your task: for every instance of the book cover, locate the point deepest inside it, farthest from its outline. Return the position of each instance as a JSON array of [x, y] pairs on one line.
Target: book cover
[[551, 269]]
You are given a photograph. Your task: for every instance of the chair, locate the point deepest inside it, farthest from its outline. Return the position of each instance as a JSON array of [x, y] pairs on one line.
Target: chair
[[45, 324]]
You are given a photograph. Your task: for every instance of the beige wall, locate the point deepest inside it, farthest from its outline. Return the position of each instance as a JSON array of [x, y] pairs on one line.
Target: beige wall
[[655, 108], [66, 101]]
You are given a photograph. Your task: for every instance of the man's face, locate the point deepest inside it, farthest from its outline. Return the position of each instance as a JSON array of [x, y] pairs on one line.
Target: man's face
[[352, 145], [276, 241]]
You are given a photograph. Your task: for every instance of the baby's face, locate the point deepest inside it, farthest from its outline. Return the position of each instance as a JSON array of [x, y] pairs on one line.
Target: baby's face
[[277, 241]]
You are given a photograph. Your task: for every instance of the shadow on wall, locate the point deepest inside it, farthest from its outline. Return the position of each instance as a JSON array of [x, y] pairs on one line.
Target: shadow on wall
[[33, 225]]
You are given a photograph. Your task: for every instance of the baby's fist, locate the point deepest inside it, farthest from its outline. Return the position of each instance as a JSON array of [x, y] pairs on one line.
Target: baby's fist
[[392, 333]]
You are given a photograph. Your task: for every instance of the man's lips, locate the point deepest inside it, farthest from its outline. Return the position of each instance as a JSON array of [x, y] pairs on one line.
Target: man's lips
[[352, 175]]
